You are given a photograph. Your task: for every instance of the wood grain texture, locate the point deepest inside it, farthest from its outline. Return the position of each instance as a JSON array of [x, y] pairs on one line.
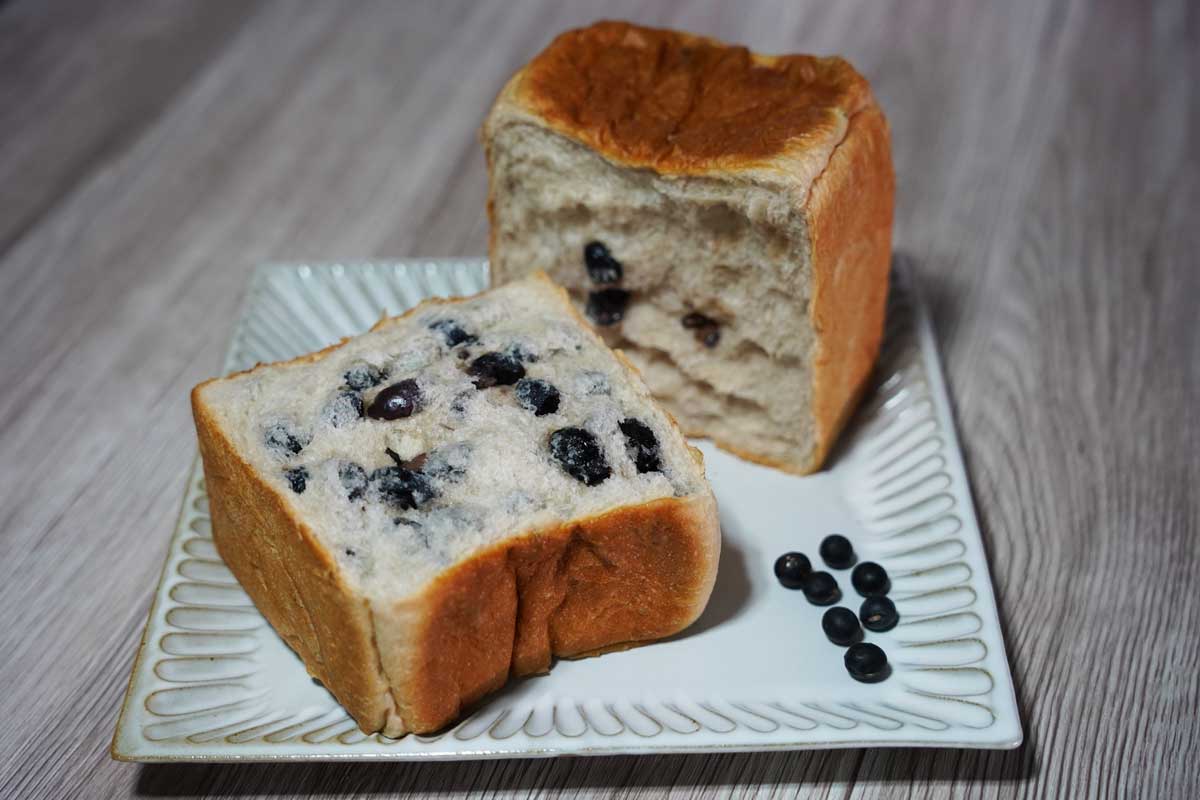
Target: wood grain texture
[[1048, 163]]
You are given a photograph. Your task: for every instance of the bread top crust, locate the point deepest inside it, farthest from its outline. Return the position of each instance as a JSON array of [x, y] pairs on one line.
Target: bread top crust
[[688, 105]]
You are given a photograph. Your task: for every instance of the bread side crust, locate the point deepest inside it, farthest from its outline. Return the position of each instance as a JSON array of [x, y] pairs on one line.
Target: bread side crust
[[632, 575], [414, 664], [293, 580], [850, 226]]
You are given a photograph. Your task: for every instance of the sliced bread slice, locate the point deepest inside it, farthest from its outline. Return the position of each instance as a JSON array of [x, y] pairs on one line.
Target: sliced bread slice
[[455, 498]]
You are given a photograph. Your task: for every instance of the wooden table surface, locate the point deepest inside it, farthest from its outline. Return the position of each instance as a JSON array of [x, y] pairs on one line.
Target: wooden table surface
[[1048, 160]]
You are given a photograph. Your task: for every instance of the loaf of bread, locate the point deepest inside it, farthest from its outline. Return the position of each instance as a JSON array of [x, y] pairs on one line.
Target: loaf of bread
[[454, 498], [725, 217]]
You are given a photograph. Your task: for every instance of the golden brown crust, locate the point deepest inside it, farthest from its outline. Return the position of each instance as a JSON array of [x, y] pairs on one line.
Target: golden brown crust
[[631, 575], [291, 578], [684, 104], [850, 224]]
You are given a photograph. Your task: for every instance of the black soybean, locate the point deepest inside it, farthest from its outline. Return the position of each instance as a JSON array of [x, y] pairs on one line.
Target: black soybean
[[841, 626], [297, 478], [707, 330], [837, 551], [580, 456], [866, 662], [284, 439], [607, 306], [641, 444], [399, 400], [602, 268], [362, 375], [792, 568], [870, 579], [452, 332], [495, 369], [878, 614], [537, 396], [821, 589], [402, 488]]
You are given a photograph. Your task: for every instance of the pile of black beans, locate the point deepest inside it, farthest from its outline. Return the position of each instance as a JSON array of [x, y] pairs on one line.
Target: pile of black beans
[[864, 661]]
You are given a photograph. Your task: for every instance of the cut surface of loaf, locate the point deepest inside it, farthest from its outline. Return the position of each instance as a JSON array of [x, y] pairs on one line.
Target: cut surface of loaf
[[724, 217], [453, 498]]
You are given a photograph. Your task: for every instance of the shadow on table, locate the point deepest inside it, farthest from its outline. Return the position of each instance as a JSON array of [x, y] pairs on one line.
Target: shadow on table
[[811, 769]]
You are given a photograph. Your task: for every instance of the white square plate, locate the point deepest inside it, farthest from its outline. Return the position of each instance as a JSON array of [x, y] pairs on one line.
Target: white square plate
[[213, 682]]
